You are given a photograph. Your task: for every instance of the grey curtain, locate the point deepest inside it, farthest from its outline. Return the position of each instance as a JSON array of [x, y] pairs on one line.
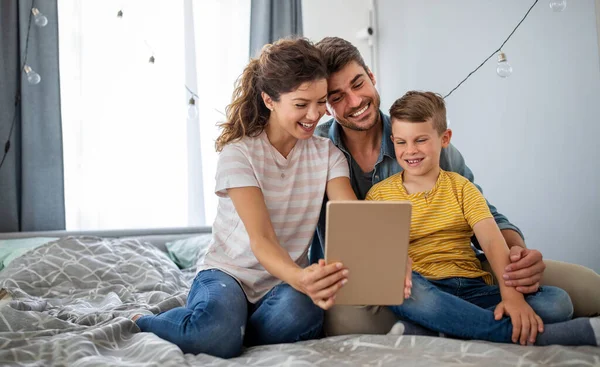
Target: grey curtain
[[31, 179], [271, 20]]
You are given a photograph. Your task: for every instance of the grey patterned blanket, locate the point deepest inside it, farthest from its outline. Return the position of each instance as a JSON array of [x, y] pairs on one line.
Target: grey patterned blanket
[[67, 304]]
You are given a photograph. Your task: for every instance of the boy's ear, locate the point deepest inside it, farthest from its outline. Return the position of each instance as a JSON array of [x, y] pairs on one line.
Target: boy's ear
[[446, 137], [267, 100]]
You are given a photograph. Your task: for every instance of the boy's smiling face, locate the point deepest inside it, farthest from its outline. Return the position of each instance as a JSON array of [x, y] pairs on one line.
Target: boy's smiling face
[[418, 145]]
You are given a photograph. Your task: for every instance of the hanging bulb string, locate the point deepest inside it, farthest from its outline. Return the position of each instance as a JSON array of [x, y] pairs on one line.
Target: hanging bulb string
[[192, 93], [493, 53], [18, 92], [152, 58]]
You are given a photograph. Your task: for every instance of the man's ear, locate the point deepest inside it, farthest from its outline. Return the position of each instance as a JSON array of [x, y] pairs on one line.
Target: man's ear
[[267, 100], [371, 76], [446, 137]]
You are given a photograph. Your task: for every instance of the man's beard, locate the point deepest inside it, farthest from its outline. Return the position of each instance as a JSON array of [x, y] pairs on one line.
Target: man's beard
[[362, 126]]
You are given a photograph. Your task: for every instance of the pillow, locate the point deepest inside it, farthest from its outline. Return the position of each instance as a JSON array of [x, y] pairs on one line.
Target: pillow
[[11, 249], [186, 252]]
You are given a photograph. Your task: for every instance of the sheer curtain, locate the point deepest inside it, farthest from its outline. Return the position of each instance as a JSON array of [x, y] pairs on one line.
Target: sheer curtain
[[129, 159]]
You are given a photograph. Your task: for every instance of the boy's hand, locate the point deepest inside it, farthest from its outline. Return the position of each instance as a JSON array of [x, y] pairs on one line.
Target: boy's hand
[[408, 279], [526, 323]]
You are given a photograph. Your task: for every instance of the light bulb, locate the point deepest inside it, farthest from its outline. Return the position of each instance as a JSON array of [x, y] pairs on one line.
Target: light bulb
[[39, 18], [32, 77], [558, 5], [504, 69], [192, 109]]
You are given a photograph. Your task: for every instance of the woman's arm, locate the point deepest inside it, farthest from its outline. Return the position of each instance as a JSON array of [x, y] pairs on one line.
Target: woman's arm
[[320, 283], [339, 188]]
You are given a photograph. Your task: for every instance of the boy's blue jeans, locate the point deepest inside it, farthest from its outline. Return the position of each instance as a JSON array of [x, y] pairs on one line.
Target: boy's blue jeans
[[218, 319], [464, 308]]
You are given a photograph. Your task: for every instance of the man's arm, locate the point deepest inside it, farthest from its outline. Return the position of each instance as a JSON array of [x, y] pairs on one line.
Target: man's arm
[[527, 266]]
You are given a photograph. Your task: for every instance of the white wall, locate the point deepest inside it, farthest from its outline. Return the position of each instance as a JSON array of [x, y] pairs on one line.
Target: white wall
[[530, 139], [340, 18]]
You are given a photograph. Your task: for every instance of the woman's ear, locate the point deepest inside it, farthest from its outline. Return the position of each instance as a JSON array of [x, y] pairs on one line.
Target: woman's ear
[[267, 100], [446, 137]]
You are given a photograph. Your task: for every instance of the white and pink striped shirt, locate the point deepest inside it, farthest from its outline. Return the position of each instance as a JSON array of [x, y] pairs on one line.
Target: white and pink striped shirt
[[293, 189]]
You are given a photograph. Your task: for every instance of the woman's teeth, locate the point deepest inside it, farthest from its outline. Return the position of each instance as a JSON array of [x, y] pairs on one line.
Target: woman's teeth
[[308, 126], [360, 112]]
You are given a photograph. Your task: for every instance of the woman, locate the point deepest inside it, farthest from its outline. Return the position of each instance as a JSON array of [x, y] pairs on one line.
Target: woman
[[253, 286]]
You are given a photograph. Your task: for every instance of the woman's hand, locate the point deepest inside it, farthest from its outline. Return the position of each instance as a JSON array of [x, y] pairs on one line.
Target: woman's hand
[[321, 282], [408, 279], [526, 323]]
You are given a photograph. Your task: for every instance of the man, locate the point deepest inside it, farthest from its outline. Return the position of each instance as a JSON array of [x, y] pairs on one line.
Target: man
[[361, 131]]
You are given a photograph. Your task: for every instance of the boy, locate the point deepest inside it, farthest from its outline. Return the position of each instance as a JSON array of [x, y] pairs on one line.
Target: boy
[[447, 210]]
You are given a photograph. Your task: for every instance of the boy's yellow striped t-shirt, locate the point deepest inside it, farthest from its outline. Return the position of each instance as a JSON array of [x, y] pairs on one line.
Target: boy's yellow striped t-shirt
[[441, 225]]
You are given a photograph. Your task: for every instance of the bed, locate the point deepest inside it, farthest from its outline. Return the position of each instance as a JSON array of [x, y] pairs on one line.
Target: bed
[[65, 301]]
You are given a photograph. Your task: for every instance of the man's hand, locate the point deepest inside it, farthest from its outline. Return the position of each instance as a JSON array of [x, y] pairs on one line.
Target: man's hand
[[525, 270]]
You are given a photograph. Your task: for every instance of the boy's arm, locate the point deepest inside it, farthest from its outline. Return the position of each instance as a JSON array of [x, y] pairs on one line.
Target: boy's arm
[[527, 265], [526, 323]]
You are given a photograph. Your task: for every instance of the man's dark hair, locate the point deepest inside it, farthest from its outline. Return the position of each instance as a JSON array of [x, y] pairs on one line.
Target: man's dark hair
[[338, 53]]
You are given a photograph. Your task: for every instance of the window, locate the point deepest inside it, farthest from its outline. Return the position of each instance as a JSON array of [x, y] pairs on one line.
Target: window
[[133, 159]]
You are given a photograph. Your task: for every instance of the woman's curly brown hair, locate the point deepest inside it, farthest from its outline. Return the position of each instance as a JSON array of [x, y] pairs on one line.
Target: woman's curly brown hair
[[280, 68]]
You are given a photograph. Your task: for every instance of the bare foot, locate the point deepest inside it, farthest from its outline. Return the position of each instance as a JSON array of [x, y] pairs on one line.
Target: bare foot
[[135, 317]]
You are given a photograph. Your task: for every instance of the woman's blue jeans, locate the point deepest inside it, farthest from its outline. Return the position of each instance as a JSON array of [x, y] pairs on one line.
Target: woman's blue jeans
[[218, 319]]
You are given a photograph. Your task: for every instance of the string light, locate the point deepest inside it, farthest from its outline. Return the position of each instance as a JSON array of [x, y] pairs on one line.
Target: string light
[[499, 49], [503, 69], [558, 5], [32, 77], [192, 107], [39, 19]]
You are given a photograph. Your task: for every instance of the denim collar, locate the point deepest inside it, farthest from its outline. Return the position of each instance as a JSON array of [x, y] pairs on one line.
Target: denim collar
[[387, 148]]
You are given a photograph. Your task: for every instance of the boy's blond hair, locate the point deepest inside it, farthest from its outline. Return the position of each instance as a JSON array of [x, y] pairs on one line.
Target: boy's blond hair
[[416, 106]]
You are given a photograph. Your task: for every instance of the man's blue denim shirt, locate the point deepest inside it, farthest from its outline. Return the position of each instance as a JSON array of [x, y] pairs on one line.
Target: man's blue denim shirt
[[386, 166]]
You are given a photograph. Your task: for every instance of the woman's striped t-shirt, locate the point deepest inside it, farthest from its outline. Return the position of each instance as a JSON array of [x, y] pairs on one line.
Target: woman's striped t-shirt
[[293, 189]]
